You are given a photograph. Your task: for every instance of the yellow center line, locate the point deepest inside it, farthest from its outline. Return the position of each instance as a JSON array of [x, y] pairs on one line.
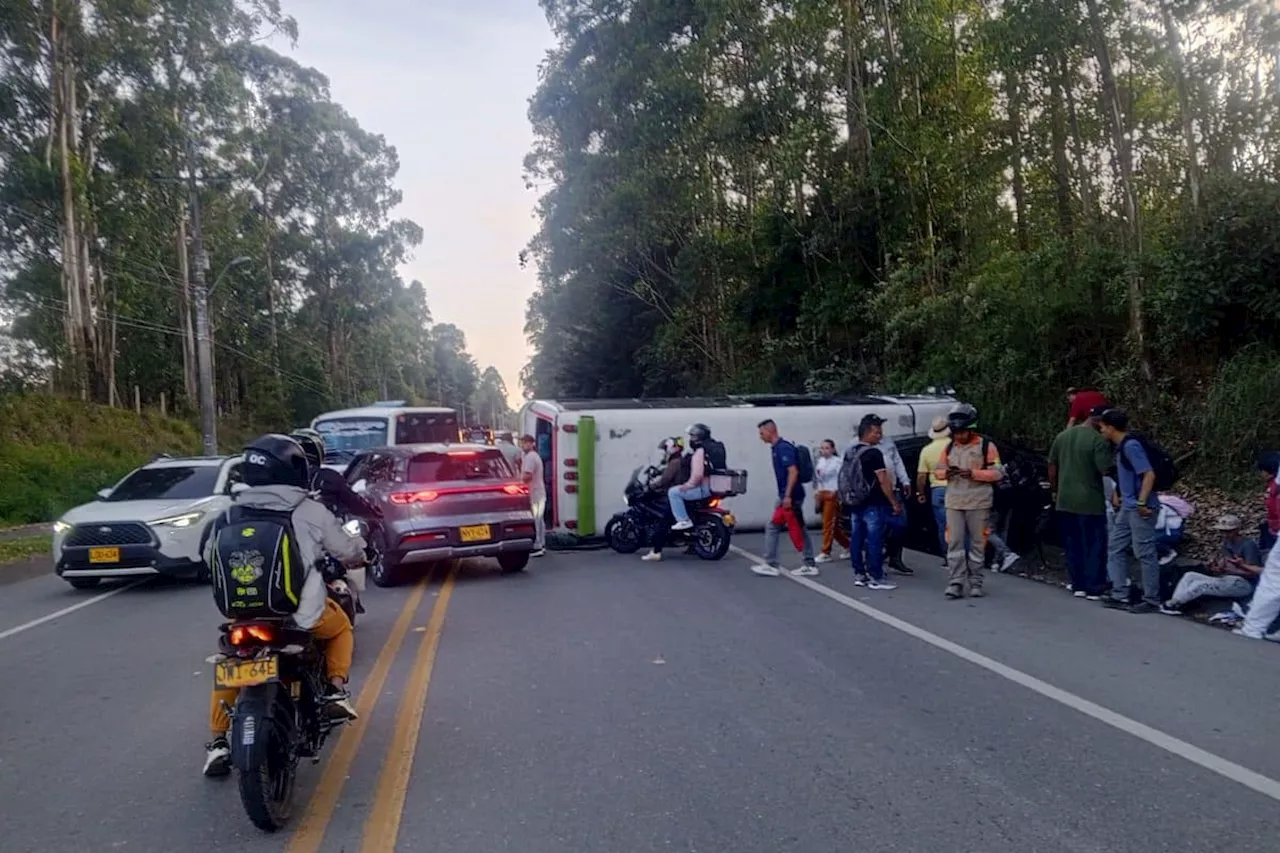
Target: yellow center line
[[382, 826], [315, 820]]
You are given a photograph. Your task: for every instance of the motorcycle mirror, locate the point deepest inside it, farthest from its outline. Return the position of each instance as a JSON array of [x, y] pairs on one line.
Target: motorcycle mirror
[[359, 487], [354, 528]]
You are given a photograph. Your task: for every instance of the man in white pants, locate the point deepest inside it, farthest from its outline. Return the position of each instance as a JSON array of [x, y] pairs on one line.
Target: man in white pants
[[531, 474], [1265, 606]]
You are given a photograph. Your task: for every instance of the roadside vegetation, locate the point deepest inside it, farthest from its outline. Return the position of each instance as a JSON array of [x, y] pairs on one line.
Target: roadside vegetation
[[12, 550], [58, 453]]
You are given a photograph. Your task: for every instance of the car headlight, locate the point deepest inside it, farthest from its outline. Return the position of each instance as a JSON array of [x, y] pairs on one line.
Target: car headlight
[[185, 520], [61, 527]]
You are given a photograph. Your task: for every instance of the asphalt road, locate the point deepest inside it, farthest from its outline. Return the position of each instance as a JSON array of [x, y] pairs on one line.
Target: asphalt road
[[597, 703]]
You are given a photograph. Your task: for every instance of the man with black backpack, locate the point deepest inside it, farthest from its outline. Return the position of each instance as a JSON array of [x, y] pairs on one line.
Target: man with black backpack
[[1136, 500], [276, 518], [705, 456], [792, 468], [867, 493]]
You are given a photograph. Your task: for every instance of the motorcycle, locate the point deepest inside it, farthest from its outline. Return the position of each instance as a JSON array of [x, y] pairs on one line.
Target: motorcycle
[[278, 718], [633, 528], [345, 585]]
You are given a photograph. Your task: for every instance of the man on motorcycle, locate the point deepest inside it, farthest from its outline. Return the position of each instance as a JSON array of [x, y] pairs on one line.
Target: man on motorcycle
[[672, 474], [696, 485], [335, 492], [276, 472]]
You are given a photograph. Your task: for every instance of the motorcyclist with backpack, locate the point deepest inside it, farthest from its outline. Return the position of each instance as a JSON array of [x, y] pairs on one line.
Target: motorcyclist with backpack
[[334, 490], [697, 484], [276, 501]]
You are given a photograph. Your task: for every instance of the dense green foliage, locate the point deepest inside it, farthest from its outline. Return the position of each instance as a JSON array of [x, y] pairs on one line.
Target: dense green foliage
[[830, 195], [57, 453], [98, 101]]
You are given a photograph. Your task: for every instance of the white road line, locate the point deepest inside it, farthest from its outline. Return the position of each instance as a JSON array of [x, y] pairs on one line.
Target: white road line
[[1235, 772], [64, 611]]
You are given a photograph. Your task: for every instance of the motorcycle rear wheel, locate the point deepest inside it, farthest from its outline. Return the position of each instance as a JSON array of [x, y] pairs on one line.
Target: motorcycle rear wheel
[[266, 791], [710, 538]]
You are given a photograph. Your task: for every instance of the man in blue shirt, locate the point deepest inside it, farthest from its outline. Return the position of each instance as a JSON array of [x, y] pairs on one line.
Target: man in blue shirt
[[790, 510], [1134, 526]]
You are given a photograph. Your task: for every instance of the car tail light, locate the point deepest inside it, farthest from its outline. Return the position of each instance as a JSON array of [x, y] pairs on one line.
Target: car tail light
[[423, 497], [244, 635], [464, 454]]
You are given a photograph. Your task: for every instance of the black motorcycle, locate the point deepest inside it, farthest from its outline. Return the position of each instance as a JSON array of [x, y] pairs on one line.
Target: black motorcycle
[[279, 716], [634, 528]]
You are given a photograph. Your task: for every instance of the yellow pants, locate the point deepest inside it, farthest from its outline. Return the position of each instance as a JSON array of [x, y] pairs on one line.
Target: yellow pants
[[339, 643]]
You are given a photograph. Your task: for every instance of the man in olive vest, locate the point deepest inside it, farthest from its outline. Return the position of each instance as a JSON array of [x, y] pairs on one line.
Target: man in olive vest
[[971, 466]]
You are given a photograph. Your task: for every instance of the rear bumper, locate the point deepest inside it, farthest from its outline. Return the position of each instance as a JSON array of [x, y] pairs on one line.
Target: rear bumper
[[458, 552]]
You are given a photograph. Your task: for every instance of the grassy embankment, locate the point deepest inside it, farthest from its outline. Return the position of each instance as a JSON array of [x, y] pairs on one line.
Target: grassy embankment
[[57, 453]]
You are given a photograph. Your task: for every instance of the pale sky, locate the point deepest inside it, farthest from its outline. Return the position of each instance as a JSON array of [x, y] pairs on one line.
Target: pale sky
[[447, 83]]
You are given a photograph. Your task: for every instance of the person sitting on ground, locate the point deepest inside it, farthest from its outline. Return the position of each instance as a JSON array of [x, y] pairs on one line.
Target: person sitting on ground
[[1233, 575], [672, 474]]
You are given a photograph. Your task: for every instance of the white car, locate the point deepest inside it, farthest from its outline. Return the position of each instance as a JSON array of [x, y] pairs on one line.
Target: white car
[[150, 523]]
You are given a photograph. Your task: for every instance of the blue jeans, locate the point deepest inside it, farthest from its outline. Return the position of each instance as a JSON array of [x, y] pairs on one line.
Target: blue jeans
[[1082, 538], [867, 529], [938, 502], [1131, 532], [677, 495]]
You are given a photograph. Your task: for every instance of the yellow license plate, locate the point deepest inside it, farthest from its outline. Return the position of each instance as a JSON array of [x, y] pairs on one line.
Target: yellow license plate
[[729, 520], [246, 673], [104, 555], [475, 533]]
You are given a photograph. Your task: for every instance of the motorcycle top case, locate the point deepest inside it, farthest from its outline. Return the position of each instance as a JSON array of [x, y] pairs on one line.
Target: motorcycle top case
[[257, 571], [726, 484]]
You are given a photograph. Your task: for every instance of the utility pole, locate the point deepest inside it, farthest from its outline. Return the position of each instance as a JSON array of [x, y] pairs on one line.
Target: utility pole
[[200, 293]]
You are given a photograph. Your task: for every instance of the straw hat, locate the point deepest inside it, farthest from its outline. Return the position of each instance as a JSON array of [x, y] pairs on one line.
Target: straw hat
[[940, 429]]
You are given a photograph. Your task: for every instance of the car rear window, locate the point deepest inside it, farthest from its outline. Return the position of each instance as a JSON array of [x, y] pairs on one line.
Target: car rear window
[[171, 482], [459, 465]]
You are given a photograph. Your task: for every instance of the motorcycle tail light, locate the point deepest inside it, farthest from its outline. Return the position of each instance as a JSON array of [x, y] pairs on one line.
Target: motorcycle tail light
[[715, 502], [246, 635]]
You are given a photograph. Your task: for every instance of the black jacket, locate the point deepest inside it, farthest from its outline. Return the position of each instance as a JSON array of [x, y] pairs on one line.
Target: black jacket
[[336, 494]]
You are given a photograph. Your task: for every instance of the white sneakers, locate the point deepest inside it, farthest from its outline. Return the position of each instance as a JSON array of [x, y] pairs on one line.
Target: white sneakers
[[822, 558], [765, 571], [682, 525], [652, 557]]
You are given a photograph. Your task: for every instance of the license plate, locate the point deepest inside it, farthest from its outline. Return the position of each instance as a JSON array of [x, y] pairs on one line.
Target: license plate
[[246, 673], [475, 533], [729, 520], [104, 555]]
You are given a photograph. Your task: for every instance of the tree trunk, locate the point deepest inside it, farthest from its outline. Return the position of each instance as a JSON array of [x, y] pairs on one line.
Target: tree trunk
[[1128, 194], [1061, 163], [1014, 92], [1173, 43], [1087, 202]]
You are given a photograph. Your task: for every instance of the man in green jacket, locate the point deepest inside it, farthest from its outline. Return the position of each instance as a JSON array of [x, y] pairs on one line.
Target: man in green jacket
[[1078, 459]]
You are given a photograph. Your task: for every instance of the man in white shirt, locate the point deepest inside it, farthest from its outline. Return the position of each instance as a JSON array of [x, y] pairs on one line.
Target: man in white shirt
[[531, 474]]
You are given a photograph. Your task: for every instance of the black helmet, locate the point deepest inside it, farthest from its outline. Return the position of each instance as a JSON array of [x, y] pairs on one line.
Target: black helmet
[[963, 417], [275, 460], [698, 433], [312, 446]]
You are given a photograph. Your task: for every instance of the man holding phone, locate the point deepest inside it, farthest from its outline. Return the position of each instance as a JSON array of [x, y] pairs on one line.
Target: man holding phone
[[971, 466]]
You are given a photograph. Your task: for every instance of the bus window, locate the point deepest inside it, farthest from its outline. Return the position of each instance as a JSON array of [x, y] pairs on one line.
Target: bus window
[[426, 428], [345, 437]]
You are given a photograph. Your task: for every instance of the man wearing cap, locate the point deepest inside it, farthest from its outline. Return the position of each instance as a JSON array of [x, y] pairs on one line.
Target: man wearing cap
[[1078, 459], [868, 522], [1233, 575], [931, 485], [531, 474], [1082, 402]]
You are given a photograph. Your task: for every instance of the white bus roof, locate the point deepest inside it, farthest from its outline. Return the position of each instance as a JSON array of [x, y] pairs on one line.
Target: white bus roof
[[381, 412], [756, 401]]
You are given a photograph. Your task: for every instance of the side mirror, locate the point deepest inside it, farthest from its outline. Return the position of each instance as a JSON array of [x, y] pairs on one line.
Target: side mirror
[[103, 494], [360, 487]]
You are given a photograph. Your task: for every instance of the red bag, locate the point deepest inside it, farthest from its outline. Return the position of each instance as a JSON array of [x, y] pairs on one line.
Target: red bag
[[786, 516]]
